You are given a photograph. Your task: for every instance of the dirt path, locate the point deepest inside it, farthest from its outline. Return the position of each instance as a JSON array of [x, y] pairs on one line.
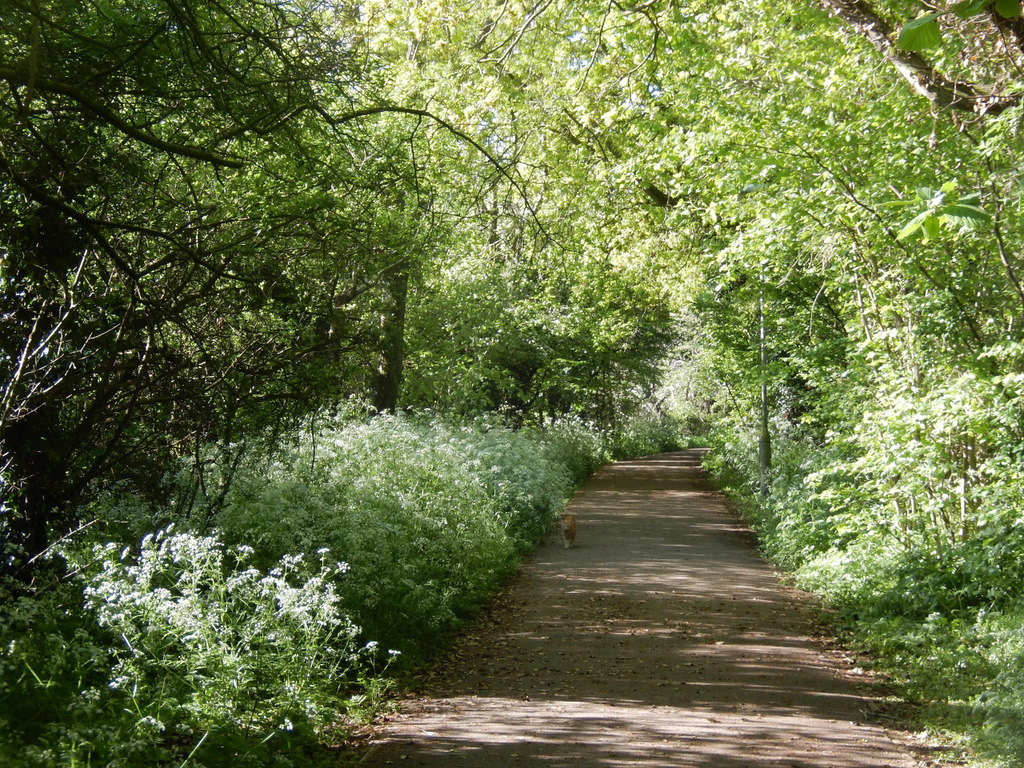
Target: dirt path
[[661, 639]]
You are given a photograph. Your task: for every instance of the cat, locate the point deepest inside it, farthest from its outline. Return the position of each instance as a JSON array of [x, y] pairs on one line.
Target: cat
[[568, 530]]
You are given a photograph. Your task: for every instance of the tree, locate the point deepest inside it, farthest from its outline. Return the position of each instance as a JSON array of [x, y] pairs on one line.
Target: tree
[[190, 232], [535, 309]]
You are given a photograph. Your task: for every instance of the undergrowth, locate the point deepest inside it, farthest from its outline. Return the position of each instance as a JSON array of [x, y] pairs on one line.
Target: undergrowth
[[259, 611], [942, 618]]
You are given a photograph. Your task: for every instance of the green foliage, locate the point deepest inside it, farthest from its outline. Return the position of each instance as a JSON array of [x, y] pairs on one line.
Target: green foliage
[[536, 343], [939, 209], [1003, 701], [188, 246], [644, 437], [924, 32], [222, 221], [935, 602], [575, 444], [230, 645], [54, 664], [424, 515]]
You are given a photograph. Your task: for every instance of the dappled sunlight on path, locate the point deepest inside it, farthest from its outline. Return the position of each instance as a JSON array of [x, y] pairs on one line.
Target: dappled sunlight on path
[[661, 639]]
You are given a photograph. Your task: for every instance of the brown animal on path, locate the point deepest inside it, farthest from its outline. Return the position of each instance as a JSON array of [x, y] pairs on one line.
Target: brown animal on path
[[568, 530]]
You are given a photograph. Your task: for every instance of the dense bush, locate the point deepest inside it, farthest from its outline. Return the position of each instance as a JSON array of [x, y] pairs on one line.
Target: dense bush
[[643, 437], [54, 664], [224, 640], [575, 444], [179, 648], [428, 515]]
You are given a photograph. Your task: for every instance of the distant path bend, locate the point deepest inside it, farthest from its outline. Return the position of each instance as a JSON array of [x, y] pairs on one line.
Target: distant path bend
[[661, 639]]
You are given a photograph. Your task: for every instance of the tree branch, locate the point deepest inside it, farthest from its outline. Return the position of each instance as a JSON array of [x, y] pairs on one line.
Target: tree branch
[[919, 74], [360, 113], [106, 114]]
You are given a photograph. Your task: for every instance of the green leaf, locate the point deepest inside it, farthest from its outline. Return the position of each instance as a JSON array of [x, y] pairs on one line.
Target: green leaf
[[931, 227], [920, 33], [965, 215], [912, 226], [1008, 9], [968, 8], [925, 193]]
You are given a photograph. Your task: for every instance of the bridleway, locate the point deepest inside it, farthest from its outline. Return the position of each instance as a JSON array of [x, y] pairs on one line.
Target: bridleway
[[660, 639]]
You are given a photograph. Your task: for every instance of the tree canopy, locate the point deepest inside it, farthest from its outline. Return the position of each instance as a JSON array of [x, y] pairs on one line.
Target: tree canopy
[[220, 219]]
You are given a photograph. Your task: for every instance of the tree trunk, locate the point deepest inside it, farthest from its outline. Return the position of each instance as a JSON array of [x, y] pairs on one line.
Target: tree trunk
[[392, 353]]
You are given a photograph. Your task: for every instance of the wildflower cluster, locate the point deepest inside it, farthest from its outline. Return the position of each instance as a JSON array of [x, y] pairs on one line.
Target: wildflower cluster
[[224, 642]]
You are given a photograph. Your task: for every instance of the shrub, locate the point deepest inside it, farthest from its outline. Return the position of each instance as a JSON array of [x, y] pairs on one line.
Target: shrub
[[936, 599], [526, 476], [645, 436], [54, 667], [223, 642], [574, 443], [1002, 703]]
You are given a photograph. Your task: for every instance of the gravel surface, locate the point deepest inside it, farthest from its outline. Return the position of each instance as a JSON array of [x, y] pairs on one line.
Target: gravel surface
[[660, 639]]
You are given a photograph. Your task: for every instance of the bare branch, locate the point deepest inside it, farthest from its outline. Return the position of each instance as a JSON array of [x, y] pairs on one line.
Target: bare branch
[[106, 114]]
